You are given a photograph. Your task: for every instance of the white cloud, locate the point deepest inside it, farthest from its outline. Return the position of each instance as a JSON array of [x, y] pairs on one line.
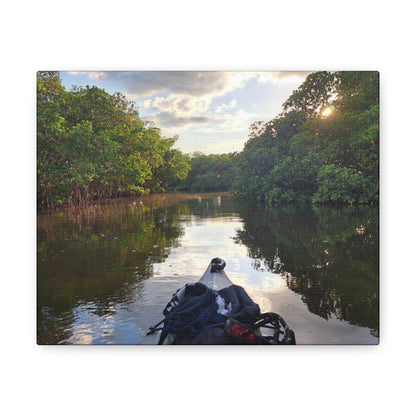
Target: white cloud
[[182, 104], [179, 110], [214, 134], [220, 109], [223, 146], [193, 83], [97, 75], [279, 77], [92, 75], [146, 104], [172, 120]]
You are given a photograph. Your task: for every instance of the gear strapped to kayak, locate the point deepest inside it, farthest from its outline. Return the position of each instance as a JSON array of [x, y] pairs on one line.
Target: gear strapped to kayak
[[215, 311]]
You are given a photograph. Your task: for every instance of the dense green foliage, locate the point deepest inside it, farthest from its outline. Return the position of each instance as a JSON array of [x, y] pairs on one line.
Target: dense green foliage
[[93, 145], [208, 173], [309, 154]]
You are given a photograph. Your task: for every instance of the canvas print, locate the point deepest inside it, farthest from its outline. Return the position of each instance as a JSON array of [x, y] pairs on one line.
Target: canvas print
[[208, 207]]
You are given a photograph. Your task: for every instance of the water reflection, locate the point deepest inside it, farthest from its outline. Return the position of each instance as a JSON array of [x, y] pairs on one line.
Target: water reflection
[[106, 272], [329, 256], [98, 257]]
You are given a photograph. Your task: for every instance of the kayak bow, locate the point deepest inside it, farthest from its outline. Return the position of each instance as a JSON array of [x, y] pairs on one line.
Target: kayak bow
[[215, 311]]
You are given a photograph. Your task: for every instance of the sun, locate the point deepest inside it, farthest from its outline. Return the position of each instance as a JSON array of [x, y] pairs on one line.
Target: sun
[[327, 112]]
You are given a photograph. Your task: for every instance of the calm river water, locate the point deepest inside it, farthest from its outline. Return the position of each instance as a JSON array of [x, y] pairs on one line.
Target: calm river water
[[106, 272]]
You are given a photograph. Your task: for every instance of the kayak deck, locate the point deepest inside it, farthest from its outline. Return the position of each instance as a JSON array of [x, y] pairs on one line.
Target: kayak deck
[[217, 280]]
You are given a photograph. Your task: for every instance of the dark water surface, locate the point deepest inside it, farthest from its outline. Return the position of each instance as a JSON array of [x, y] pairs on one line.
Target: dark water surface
[[106, 272]]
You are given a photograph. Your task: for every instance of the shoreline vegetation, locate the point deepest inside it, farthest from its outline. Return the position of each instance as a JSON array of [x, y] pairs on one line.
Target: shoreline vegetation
[[323, 148]]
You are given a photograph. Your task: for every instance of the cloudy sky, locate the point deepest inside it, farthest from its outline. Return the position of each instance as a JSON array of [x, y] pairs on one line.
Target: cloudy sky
[[210, 111]]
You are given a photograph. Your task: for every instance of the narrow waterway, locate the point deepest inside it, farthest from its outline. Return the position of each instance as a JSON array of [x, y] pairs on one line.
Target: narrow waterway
[[106, 272]]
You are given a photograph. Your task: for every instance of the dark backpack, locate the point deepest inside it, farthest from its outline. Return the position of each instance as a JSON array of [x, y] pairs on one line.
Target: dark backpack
[[197, 314], [192, 309]]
